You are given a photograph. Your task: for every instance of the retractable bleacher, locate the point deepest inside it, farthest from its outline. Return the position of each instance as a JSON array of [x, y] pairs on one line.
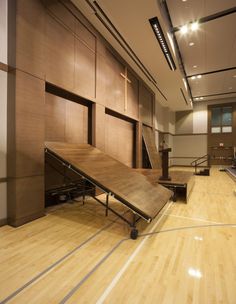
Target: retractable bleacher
[[114, 178]]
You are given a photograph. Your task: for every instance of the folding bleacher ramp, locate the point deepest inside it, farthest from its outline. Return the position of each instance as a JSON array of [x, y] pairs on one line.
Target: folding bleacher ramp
[[130, 188], [149, 141]]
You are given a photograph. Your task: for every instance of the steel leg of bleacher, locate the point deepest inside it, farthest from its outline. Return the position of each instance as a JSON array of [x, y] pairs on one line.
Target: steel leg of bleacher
[[107, 202], [83, 181]]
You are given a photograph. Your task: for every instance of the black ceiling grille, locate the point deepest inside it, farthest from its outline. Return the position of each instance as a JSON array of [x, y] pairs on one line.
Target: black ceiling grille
[[162, 42]]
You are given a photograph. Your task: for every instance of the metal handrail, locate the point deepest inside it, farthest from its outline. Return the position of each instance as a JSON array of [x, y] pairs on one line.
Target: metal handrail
[[195, 162]]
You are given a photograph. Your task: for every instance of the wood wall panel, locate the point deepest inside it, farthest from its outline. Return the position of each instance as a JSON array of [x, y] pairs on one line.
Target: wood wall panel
[[60, 54], [65, 120], [110, 84], [84, 70], [146, 105], [119, 139], [27, 197], [25, 189], [99, 125], [30, 37], [76, 123], [132, 96], [29, 127], [60, 13], [86, 36], [55, 109]]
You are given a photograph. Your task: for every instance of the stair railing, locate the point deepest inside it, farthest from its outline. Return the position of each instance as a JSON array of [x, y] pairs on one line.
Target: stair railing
[[200, 160]]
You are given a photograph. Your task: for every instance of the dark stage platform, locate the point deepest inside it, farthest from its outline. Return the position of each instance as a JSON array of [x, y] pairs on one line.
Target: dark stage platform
[[231, 172], [181, 182]]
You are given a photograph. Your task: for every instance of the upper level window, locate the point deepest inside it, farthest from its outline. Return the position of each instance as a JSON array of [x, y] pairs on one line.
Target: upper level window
[[221, 120]]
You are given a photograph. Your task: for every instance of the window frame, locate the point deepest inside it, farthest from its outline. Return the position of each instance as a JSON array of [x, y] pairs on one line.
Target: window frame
[[221, 125]]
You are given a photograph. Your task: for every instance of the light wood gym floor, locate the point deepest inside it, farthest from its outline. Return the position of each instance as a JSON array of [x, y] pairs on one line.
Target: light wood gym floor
[[77, 255]]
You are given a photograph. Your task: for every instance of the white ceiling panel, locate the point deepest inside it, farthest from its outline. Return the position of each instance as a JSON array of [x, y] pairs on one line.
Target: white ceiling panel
[[214, 46], [217, 83], [183, 12]]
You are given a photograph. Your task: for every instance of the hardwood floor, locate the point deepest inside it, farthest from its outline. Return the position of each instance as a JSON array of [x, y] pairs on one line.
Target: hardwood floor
[[77, 255]]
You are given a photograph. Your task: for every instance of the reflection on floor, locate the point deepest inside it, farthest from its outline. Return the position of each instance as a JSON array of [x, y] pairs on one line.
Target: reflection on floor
[[77, 255]]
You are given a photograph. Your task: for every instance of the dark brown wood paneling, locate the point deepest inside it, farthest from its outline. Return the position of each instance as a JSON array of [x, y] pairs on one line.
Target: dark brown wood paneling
[[132, 96], [119, 139], [76, 123], [60, 13], [55, 120], [86, 36], [59, 53], [85, 63], [27, 197], [65, 120], [30, 38], [110, 83], [27, 142], [146, 98], [99, 124]]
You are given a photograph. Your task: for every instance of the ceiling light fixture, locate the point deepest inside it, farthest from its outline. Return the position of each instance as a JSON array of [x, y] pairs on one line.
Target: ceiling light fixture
[[199, 76], [193, 77], [201, 98], [195, 66], [184, 29], [194, 26], [191, 43], [162, 41]]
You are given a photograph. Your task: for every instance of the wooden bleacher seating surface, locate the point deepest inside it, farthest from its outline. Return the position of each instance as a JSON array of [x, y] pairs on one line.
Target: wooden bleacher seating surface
[[138, 193]]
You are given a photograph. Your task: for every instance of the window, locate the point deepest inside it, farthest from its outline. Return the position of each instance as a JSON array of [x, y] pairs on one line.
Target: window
[[221, 120]]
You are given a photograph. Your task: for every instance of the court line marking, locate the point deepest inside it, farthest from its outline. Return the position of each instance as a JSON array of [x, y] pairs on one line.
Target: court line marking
[[151, 233], [130, 259], [115, 280], [77, 286], [62, 259], [194, 219]]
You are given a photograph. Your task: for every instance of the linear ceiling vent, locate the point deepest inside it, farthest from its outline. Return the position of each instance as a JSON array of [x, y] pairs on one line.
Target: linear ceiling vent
[[162, 41]]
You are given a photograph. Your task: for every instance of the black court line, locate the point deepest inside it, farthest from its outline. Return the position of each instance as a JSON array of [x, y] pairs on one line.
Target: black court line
[[93, 270], [15, 293]]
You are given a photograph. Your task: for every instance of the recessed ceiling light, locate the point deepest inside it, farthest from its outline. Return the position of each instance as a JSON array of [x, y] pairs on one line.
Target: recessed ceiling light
[[193, 77], [195, 66], [194, 26], [184, 0], [199, 76], [191, 43], [201, 98], [184, 29], [197, 98]]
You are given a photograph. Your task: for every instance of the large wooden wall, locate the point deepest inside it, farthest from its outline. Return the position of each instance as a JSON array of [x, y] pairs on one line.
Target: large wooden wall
[[55, 44]]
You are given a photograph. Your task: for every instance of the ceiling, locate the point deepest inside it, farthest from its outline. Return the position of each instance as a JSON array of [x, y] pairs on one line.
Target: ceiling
[[125, 24]]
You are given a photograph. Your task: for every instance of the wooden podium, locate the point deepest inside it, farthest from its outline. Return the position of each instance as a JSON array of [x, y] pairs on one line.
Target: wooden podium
[[165, 164]]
